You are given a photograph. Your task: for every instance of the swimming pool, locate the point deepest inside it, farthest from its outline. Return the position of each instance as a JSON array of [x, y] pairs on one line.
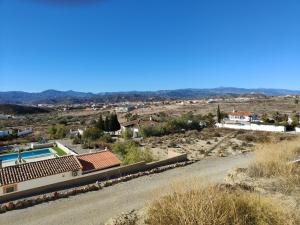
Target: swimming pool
[[27, 154]]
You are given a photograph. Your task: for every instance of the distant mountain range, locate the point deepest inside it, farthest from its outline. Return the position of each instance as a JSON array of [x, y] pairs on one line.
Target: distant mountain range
[[58, 97]]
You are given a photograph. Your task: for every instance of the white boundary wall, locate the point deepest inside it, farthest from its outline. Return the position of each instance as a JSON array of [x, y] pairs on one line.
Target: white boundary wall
[[67, 150], [252, 126], [297, 129], [25, 132]]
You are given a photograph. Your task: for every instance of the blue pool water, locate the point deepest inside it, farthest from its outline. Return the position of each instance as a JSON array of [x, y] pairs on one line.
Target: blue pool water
[[29, 154]]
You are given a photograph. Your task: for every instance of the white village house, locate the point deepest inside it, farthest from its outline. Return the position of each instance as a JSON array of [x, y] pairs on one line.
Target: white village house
[[238, 116]]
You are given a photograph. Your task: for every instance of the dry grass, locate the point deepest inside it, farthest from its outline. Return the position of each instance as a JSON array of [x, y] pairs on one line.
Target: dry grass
[[214, 205], [272, 161]]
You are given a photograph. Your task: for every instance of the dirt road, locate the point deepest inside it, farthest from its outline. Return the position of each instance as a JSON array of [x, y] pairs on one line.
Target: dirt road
[[97, 207]]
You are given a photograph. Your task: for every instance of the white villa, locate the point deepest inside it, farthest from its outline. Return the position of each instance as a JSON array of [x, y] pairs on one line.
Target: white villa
[[239, 116]]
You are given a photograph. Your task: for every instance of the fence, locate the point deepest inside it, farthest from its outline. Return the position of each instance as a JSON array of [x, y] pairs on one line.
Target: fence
[[38, 146], [65, 149], [252, 126], [93, 177]]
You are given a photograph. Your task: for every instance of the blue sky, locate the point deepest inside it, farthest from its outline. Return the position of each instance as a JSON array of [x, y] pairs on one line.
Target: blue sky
[[119, 45]]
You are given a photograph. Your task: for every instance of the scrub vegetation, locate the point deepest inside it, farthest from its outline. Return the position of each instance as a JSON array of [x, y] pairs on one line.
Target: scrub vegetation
[[129, 152], [217, 205], [274, 161]]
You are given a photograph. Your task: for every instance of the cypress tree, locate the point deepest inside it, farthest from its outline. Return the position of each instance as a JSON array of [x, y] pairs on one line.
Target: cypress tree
[[117, 125], [100, 123], [106, 124], [219, 114]]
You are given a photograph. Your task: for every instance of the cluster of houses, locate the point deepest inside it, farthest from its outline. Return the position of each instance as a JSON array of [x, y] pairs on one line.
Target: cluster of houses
[[19, 133], [250, 121]]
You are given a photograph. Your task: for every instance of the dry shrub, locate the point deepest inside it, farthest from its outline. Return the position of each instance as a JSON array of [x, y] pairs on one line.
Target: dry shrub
[[273, 161], [256, 137], [217, 206]]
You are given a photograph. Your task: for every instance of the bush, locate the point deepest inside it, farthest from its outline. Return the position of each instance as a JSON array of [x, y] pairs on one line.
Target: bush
[[129, 152], [272, 160], [215, 205], [135, 155], [57, 131], [92, 133], [127, 134]]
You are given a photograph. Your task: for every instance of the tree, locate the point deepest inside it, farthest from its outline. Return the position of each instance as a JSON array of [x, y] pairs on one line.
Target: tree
[[295, 120], [92, 133], [100, 123], [277, 117], [265, 118], [113, 123], [57, 131], [128, 116], [219, 115], [106, 124]]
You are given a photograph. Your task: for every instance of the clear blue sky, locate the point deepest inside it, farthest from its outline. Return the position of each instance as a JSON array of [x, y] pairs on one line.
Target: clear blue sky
[[113, 45]]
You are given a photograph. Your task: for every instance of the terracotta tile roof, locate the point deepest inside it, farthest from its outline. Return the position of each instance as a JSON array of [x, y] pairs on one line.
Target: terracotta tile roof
[[38, 169], [239, 113], [99, 160]]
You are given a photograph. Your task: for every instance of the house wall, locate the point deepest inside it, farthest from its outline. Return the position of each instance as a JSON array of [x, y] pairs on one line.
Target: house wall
[[43, 181], [239, 118], [252, 126]]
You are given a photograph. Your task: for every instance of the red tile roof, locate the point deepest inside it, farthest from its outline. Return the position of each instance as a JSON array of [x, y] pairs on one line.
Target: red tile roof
[[98, 160], [239, 113], [32, 170]]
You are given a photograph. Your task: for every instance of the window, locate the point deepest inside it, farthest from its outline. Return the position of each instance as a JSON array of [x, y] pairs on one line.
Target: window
[[9, 189]]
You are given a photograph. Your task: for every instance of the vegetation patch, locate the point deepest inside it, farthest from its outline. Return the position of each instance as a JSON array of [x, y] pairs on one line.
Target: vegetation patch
[[274, 161], [129, 152], [216, 205], [59, 151]]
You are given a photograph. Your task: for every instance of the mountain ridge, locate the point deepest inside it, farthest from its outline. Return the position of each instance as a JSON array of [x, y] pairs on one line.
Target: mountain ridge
[[55, 96]]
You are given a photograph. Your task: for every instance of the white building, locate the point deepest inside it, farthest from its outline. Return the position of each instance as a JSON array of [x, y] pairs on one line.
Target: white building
[[5, 133], [24, 132], [239, 116], [38, 174]]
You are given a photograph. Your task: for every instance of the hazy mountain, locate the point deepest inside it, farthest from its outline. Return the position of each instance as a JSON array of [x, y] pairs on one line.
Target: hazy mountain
[[11, 109], [55, 97]]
